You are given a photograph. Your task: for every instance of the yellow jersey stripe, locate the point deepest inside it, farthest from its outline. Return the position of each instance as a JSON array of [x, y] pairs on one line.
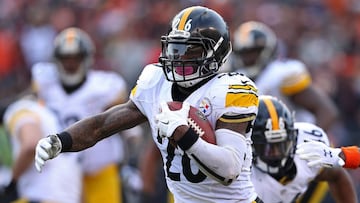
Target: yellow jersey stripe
[[241, 99], [244, 87], [297, 85], [273, 114], [320, 192], [184, 18], [240, 120], [133, 91], [18, 115]]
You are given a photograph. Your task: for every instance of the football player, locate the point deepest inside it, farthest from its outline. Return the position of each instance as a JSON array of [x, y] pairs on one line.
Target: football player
[[276, 166], [74, 90], [320, 155], [193, 51], [256, 55], [27, 121]]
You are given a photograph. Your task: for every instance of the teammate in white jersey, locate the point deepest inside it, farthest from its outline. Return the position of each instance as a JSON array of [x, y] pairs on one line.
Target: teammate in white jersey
[[27, 121], [255, 55], [278, 174], [193, 51], [74, 90]]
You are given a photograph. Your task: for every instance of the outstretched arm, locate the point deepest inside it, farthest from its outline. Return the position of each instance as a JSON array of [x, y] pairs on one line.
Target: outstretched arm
[[341, 186], [87, 132], [318, 154]]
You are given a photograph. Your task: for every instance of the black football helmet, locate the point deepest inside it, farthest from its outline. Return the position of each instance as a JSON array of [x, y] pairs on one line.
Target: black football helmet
[[73, 53], [195, 47], [274, 136], [254, 46]]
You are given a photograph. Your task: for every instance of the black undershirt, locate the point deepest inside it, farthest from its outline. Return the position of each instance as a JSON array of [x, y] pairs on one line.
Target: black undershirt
[[179, 93], [72, 88]]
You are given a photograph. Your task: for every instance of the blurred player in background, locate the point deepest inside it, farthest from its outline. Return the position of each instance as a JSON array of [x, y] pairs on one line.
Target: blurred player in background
[[193, 51], [74, 90], [255, 54], [275, 137], [27, 121]]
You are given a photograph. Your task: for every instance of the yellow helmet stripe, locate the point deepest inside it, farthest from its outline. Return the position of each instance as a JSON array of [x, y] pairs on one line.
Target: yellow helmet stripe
[[273, 114], [184, 18], [70, 35]]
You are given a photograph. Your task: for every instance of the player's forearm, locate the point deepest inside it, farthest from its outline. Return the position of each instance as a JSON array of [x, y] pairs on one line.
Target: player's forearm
[[87, 132], [342, 189], [22, 163], [225, 159]]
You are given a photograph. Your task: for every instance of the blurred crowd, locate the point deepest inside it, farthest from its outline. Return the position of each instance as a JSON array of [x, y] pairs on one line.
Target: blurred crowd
[[324, 34]]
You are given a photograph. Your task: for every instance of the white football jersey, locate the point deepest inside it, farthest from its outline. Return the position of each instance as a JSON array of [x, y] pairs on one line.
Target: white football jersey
[[61, 178], [282, 78], [271, 190], [218, 96], [100, 89]]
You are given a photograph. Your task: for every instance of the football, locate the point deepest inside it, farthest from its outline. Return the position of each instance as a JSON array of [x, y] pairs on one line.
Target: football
[[197, 121]]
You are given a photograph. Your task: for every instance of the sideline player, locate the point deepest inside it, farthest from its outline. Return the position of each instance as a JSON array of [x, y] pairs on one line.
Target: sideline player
[[193, 51], [276, 166], [74, 90], [27, 121]]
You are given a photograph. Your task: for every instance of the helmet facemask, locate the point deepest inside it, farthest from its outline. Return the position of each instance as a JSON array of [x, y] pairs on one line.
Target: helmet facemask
[[255, 46], [73, 53], [188, 61], [274, 137], [274, 150], [196, 46], [73, 76]]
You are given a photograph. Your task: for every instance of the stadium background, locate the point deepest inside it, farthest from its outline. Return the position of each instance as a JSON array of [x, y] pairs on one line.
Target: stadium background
[[325, 34]]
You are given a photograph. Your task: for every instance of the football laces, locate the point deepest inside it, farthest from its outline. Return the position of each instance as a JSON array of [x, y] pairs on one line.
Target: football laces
[[196, 127]]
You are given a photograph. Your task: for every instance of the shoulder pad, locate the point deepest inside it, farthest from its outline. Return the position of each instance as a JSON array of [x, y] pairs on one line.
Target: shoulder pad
[[44, 71], [150, 75]]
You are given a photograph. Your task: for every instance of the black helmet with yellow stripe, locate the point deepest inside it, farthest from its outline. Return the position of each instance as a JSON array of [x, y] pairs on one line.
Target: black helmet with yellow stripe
[[195, 47], [274, 136]]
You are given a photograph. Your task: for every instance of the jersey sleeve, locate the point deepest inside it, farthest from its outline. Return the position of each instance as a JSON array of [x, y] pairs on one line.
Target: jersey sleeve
[[309, 131], [297, 78], [42, 75], [239, 95], [115, 85], [17, 115]]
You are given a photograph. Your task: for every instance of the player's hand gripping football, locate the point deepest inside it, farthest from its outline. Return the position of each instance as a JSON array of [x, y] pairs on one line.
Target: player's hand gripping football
[[47, 148], [168, 121], [318, 154]]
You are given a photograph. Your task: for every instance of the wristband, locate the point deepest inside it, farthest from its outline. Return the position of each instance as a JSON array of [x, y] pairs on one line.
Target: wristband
[[188, 139], [352, 157], [66, 141]]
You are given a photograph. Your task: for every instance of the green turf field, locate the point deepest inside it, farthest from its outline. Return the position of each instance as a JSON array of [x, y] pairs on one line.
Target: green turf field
[[5, 149]]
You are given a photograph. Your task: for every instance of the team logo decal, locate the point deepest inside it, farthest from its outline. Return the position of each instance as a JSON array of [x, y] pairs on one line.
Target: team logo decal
[[205, 106]]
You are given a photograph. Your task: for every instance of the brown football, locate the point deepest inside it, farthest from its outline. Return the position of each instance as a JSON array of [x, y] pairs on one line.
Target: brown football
[[197, 121]]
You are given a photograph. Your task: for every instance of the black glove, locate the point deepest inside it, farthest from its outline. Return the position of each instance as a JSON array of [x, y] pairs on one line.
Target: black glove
[[9, 193]]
